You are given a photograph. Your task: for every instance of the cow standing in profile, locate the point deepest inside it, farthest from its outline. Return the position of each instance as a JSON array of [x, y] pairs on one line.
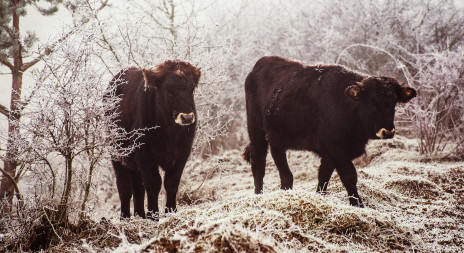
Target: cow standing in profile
[[160, 99], [326, 109]]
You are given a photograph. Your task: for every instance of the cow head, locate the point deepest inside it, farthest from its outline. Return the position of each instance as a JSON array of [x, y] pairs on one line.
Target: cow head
[[377, 98], [174, 83]]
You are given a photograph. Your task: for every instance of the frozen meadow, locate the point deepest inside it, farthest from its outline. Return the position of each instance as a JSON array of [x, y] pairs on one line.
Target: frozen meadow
[[64, 198], [411, 205]]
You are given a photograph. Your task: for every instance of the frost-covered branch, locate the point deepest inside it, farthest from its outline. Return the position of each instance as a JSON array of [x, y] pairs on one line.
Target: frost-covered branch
[[398, 63], [4, 111]]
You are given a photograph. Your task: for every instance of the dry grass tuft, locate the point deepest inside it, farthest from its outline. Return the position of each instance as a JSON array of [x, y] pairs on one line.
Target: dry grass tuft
[[192, 194], [414, 187], [377, 196], [213, 238], [364, 225], [296, 219], [452, 181]]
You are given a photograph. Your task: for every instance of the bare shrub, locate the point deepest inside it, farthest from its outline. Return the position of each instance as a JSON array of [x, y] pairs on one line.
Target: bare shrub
[[437, 112], [68, 132], [436, 115], [31, 233]]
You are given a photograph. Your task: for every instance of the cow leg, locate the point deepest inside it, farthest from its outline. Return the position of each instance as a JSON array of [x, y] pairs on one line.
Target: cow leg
[[349, 179], [325, 173], [257, 149], [171, 185], [348, 175], [151, 180], [280, 159], [124, 184], [258, 152], [139, 194]]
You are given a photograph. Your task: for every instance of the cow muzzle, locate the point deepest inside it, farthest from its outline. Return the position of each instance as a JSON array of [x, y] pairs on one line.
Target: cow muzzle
[[185, 119], [385, 134]]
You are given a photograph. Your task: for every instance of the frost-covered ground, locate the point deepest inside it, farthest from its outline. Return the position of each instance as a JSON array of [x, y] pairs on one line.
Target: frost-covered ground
[[411, 205]]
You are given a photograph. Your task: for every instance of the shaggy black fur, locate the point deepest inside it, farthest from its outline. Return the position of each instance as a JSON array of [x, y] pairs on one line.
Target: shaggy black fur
[[326, 109], [155, 98]]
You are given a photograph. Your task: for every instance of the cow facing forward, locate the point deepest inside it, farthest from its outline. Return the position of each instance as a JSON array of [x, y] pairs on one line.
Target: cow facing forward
[[161, 100], [326, 109]]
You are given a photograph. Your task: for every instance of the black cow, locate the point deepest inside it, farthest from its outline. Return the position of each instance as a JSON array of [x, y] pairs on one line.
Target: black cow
[[163, 98], [326, 109]]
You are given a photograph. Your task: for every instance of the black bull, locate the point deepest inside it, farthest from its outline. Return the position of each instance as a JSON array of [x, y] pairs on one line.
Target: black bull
[[161, 98], [326, 109]]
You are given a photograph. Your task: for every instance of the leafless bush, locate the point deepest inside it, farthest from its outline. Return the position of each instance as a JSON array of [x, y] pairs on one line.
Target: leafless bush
[[437, 112], [35, 231], [436, 115], [68, 128]]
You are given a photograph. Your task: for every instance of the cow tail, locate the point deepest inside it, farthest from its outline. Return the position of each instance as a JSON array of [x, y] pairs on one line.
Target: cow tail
[[246, 154]]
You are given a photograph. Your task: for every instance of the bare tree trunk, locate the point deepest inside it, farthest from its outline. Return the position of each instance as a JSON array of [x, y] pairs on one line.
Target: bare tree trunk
[[88, 184], [7, 187], [63, 208]]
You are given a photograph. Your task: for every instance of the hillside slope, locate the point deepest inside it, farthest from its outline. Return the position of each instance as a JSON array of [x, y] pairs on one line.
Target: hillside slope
[[411, 205]]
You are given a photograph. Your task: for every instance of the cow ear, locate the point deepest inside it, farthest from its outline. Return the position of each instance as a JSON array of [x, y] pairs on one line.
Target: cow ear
[[355, 92], [406, 94], [152, 78], [196, 76]]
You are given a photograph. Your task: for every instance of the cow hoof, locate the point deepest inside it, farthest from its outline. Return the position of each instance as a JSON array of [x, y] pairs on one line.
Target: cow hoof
[[126, 219], [140, 214], [170, 210], [322, 192], [356, 202], [124, 216], [360, 205], [153, 216]]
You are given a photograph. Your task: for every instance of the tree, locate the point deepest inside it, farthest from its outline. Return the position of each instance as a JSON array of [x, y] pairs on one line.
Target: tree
[[68, 135], [14, 50], [69, 127]]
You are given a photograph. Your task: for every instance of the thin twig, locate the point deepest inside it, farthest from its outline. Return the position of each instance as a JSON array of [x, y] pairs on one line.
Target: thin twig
[[51, 224]]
